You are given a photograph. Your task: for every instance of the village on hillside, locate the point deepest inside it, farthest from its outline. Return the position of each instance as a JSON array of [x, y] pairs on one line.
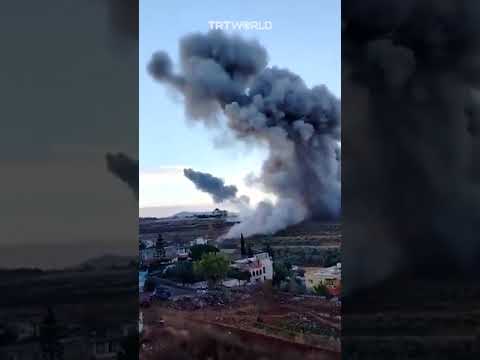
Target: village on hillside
[[281, 288]]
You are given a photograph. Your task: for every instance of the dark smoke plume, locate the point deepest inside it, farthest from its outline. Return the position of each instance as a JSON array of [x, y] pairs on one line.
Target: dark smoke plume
[[211, 185], [123, 21], [125, 168], [227, 75], [411, 144]]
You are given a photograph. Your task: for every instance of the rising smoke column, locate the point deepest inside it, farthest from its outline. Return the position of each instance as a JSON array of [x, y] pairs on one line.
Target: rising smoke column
[[221, 74], [123, 21]]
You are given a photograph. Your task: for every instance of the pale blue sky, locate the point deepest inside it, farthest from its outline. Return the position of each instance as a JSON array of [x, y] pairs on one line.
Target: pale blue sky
[[305, 39]]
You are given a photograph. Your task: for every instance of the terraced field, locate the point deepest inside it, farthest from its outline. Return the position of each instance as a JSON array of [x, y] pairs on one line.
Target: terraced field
[[263, 325]]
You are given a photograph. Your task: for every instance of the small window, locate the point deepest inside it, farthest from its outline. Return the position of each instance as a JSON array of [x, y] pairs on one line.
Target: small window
[[264, 269]]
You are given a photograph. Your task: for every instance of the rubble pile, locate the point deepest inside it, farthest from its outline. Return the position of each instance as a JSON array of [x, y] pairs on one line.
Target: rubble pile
[[211, 299]]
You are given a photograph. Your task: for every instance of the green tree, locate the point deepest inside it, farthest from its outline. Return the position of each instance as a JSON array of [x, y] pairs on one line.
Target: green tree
[[235, 273], [197, 251], [184, 272], [296, 287], [243, 249], [160, 246], [281, 272], [321, 290], [213, 267]]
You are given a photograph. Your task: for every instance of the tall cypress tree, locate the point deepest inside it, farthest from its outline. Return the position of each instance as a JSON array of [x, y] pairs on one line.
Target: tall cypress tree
[[243, 249], [160, 246]]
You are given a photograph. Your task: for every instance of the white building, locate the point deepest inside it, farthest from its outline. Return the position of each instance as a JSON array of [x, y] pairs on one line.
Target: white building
[[220, 213], [199, 241], [329, 276], [260, 267], [182, 253]]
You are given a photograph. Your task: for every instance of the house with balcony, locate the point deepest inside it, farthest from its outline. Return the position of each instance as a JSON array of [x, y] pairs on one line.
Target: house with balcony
[[260, 267]]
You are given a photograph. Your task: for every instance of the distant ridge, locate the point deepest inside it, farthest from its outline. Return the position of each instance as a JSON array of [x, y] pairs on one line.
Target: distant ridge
[[168, 211], [107, 261]]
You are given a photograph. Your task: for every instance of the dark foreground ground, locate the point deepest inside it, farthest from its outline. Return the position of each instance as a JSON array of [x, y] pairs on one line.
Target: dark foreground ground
[[89, 307], [412, 318], [253, 324]]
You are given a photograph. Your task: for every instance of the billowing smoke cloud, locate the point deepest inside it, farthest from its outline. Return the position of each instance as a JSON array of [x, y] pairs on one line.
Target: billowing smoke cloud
[[228, 75], [269, 218], [125, 168], [123, 21], [411, 141], [211, 185]]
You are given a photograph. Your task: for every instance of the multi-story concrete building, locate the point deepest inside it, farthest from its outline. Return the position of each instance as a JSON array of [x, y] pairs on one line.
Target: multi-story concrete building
[[260, 267]]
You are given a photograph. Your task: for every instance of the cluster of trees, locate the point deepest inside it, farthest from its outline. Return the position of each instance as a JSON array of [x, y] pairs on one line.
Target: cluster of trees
[[183, 272], [197, 251], [282, 271], [286, 279], [308, 256], [239, 275], [160, 246], [295, 286], [206, 265], [213, 267]]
